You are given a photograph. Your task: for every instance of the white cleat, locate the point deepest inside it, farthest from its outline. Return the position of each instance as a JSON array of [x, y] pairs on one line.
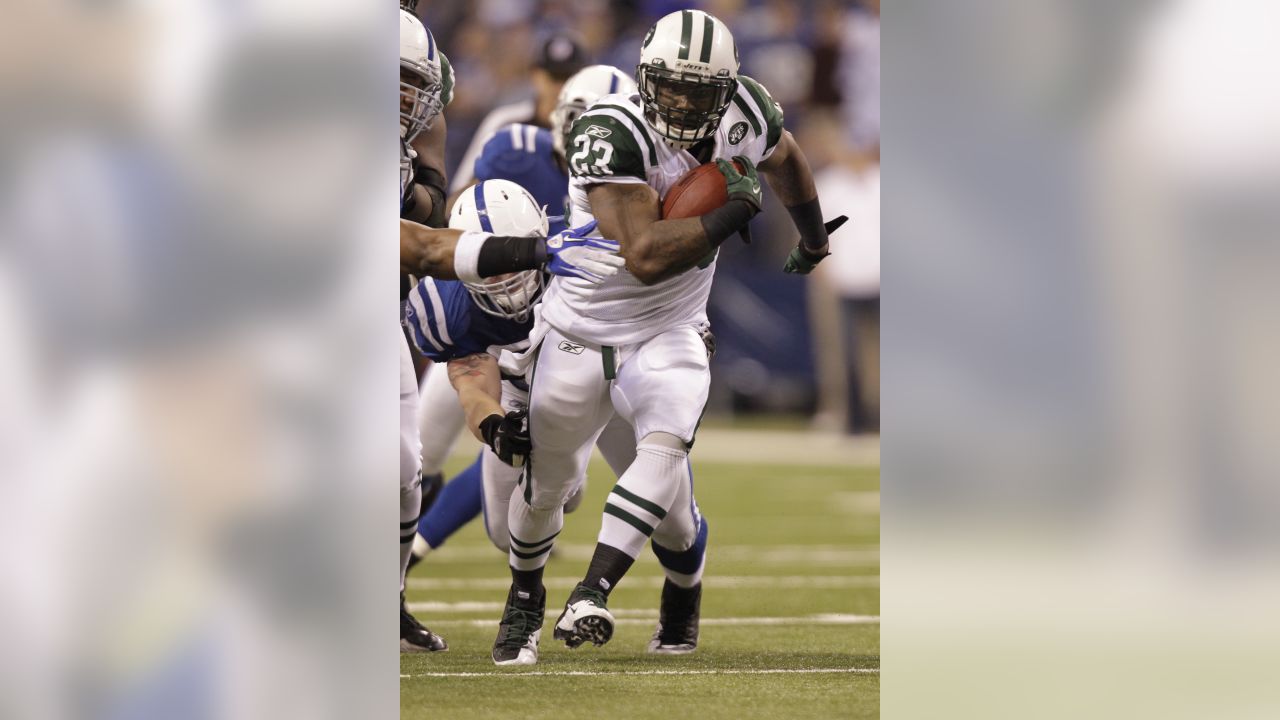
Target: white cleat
[[585, 619]]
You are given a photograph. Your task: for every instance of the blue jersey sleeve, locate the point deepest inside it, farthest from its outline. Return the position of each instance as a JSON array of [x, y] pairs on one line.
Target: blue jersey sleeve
[[524, 155], [439, 318], [445, 323]]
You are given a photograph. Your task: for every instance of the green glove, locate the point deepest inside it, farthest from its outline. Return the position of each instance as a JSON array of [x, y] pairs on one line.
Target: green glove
[[743, 185], [802, 261]]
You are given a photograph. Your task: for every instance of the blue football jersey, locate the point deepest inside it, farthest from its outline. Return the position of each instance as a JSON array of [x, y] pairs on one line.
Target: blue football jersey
[[445, 323], [524, 155]]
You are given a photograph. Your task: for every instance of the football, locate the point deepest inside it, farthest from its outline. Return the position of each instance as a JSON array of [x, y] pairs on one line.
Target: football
[[700, 191]]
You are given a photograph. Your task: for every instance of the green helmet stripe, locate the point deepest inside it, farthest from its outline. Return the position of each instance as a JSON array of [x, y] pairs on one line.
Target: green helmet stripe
[[686, 33], [708, 29]]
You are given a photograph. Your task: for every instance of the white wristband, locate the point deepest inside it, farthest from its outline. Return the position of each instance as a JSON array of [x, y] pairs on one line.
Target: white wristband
[[466, 255]]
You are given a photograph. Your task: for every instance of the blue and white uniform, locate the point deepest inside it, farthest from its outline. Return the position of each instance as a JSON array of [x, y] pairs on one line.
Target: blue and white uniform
[[524, 155], [445, 323]]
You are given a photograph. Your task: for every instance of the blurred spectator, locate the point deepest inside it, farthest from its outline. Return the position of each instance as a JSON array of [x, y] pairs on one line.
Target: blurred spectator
[[861, 78], [844, 292], [559, 57]]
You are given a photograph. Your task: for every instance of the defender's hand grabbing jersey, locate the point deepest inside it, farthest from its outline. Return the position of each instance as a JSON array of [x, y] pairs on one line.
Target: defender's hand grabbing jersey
[[611, 143]]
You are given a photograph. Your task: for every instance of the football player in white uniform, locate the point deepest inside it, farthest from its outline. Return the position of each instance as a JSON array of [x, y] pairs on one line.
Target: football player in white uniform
[[632, 344]]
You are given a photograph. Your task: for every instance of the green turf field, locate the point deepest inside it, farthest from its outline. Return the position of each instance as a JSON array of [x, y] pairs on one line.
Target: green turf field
[[790, 609]]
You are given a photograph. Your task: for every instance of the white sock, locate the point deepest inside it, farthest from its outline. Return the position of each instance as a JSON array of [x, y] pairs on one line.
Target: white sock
[[642, 497], [532, 533], [410, 507]]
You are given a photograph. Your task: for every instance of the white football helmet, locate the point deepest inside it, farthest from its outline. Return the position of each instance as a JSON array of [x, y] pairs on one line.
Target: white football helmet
[[580, 92], [687, 76], [502, 207], [421, 82]]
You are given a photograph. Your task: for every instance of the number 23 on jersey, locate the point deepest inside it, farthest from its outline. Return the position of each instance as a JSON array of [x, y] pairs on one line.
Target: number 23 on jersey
[[592, 156]]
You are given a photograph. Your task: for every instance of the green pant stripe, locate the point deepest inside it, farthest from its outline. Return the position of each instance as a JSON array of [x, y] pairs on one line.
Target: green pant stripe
[[629, 519], [610, 362], [648, 505], [708, 29], [686, 33], [526, 545]]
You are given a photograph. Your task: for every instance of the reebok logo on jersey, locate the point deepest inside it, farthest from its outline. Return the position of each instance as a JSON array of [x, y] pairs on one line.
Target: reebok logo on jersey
[[737, 132], [599, 131], [571, 348]]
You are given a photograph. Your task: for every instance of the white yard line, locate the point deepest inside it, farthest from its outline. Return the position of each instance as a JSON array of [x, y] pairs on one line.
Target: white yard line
[[593, 673], [822, 619], [790, 582], [763, 554]]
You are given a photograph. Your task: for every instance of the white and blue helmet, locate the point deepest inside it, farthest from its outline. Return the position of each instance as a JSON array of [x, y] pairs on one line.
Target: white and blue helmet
[[502, 207]]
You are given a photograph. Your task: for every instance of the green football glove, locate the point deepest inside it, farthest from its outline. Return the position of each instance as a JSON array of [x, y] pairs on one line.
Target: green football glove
[[743, 185], [802, 261]]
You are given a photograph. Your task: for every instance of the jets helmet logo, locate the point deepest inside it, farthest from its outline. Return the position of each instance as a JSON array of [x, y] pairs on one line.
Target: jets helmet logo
[[598, 131], [737, 132]]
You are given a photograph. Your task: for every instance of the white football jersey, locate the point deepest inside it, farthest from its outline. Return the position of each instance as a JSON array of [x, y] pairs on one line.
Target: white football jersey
[[611, 143]]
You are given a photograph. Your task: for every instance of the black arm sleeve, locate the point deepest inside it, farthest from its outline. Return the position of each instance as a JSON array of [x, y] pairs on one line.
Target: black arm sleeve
[[807, 217], [433, 182], [501, 254], [726, 220]]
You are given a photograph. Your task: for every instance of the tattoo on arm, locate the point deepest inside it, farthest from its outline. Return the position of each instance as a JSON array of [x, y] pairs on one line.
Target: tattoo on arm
[[655, 249], [479, 385]]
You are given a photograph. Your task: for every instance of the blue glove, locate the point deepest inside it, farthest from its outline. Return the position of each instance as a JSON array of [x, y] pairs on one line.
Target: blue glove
[[572, 254]]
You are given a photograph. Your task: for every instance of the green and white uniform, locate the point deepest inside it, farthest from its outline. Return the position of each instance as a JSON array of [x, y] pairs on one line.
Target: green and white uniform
[[611, 143]]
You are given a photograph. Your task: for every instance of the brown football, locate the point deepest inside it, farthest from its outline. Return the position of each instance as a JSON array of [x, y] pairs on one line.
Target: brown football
[[700, 191]]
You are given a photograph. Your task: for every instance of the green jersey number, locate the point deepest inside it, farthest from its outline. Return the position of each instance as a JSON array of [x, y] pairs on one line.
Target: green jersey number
[[582, 161]]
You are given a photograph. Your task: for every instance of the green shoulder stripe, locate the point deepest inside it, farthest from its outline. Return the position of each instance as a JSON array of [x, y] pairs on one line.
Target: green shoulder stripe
[[772, 110], [446, 81], [747, 111], [600, 145], [638, 127]]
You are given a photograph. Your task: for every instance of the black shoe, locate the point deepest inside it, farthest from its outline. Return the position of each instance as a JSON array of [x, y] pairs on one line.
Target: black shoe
[[517, 642], [677, 631], [416, 638], [586, 617]]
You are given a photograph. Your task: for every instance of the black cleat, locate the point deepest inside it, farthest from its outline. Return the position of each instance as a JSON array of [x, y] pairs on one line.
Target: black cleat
[[414, 637], [586, 617], [517, 642], [677, 632]]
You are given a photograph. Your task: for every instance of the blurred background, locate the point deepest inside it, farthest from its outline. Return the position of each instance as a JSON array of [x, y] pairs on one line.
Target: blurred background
[[785, 347]]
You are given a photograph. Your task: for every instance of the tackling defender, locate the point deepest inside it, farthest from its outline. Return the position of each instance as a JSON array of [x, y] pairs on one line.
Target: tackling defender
[[634, 339]]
